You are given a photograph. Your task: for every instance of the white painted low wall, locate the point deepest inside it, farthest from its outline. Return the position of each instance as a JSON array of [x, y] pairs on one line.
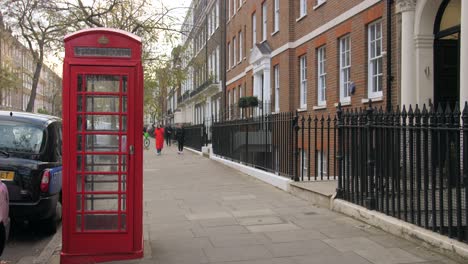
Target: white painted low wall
[[270, 178], [403, 229]]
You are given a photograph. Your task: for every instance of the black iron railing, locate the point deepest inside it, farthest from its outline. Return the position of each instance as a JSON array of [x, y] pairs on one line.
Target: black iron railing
[[315, 138], [195, 136], [409, 164], [263, 142]]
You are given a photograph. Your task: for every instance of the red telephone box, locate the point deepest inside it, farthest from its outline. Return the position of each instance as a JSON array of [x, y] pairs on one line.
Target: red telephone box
[[102, 146]]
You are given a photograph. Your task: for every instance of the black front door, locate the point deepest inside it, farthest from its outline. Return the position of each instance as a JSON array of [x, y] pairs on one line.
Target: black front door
[[446, 66]]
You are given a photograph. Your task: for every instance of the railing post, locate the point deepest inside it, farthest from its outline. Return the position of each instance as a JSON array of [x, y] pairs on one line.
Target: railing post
[[465, 160], [370, 199], [295, 148], [339, 155]]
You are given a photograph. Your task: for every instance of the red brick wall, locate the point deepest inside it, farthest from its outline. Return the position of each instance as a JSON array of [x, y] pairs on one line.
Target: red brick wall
[[292, 30]]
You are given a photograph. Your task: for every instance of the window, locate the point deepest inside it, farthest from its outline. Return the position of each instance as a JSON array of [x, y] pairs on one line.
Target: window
[[276, 16], [304, 163], [319, 2], [303, 81], [241, 42], [234, 44], [254, 30], [322, 164], [229, 105], [345, 69], [217, 14], [229, 56], [375, 60], [217, 64], [264, 21], [277, 91], [322, 76], [302, 8]]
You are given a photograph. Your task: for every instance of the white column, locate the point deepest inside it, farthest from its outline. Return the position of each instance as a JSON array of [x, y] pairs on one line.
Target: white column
[[464, 54], [408, 60], [267, 90]]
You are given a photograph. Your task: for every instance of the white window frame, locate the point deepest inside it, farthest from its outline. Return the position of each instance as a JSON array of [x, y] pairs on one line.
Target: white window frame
[[264, 21], [302, 8], [345, 68], [304, 163], [277, 87], [254, 29], [229, 56], [229, 9], [229, 105], [234, 7], [217, 14], [322, 76], [241, 51], [217, 64], [303, 81], [276, 16], [375, 59], [323, 161], [234, 55]]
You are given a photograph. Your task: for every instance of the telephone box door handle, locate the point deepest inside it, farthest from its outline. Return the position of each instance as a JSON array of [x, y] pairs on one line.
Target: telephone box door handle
[[132, 149]]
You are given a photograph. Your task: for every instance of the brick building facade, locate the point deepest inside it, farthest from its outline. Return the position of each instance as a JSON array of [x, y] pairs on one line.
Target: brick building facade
[[309, 55]]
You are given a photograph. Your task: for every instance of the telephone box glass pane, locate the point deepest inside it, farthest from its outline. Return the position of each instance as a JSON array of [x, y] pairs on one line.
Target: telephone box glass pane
[[123, 222], [101, 183], [101, 103], [78, 202], [79, 122], [102, 143], [102, 83], [79, 143], [101, 202], [98, 163], [124, 104], [123, 182], [100, 222], [124, 123], [78, 223], [124, 84], [102, 122], [79, 102], [123, 202], [79, 159]]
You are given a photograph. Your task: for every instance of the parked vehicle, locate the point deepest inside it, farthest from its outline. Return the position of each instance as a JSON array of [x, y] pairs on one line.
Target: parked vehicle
[[31, 167], [4, 217]]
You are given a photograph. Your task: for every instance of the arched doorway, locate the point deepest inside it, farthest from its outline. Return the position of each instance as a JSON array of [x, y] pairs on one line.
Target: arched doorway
[[447, 53]]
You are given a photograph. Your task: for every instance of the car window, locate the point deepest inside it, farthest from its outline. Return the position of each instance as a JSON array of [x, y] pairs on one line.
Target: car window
[[21, 137]]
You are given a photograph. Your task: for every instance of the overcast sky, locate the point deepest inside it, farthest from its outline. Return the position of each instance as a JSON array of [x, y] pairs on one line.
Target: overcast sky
[[179, 13]]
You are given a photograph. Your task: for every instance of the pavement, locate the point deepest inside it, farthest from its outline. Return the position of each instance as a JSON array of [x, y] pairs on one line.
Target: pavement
[[199, 211]]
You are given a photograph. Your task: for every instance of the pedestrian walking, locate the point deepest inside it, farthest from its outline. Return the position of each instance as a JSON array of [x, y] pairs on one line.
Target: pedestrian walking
[[168, 135], [180, 135], [159, 137]]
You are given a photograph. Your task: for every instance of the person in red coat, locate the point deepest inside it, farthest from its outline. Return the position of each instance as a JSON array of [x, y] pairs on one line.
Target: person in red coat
[[159, 137]]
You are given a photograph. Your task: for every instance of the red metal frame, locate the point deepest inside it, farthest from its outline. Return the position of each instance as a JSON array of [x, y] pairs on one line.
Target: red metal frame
[[81, 245]]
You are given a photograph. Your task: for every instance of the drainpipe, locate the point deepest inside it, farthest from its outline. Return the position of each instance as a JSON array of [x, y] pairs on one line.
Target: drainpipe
[[389, 55]]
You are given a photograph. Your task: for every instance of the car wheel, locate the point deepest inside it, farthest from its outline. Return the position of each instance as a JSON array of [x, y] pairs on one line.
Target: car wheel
[[50, 224], [2, 238]]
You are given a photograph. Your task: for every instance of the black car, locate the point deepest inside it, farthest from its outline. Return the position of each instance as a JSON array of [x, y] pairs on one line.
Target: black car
[[31, 167]]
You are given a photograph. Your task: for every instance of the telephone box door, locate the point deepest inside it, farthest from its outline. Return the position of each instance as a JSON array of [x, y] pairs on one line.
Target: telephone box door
[[104, 172]]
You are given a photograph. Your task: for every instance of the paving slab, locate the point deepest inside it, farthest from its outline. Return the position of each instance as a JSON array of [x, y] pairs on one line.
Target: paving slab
[[200, 211]]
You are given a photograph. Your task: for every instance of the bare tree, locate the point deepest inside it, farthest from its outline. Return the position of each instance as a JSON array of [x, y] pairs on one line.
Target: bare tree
[[38, 27]]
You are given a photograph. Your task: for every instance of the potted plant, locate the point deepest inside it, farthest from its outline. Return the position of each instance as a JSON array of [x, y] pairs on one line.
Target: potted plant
[[243, 102], [252, 101]]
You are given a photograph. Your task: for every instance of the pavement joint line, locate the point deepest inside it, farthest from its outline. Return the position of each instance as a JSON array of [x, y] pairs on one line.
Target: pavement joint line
[[50, 248]]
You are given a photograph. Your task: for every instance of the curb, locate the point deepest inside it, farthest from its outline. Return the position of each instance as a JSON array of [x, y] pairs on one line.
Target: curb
[[50, 248]]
